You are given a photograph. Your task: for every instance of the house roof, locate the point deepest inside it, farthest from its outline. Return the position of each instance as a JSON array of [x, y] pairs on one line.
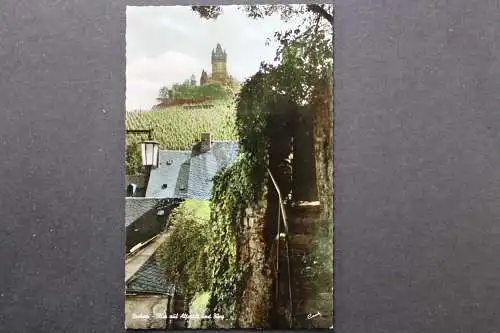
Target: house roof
[[149, 279], [169, 180], [136, 207], [205, 166], [188, 174]]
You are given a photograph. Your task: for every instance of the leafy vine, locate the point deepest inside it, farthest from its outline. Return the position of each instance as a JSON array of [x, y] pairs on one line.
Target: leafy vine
[[236, 188]]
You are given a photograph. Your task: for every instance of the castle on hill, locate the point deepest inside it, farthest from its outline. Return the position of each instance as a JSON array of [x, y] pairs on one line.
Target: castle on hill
[[219, 68]]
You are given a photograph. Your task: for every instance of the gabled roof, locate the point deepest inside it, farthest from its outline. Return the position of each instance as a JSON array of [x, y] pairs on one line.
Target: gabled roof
[[149, 279], [188, 174], [136, 207], [169, 180], [205, 166]]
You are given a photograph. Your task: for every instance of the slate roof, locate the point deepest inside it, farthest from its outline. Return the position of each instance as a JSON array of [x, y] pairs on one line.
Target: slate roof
[[135, 207], [173, 170], [205, 166], [188, 174], [149, 279]]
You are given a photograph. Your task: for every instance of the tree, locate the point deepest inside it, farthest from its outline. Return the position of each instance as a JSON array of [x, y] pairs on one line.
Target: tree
[[165, 93], [259, 11], [133, 159], [188, 91], [186, 265]]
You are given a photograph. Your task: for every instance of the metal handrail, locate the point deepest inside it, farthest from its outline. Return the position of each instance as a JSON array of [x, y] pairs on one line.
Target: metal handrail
[[278, 236]]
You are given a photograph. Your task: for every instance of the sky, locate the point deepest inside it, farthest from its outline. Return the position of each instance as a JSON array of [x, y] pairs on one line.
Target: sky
[[167, 44]]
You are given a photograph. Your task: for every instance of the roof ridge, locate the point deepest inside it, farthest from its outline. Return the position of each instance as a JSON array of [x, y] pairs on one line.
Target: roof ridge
[[143, 198], [189, 151]]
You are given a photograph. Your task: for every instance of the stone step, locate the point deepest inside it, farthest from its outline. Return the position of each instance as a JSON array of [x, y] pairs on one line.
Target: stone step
[[300, 241], [303, 219], [305, 227], [305, 206]]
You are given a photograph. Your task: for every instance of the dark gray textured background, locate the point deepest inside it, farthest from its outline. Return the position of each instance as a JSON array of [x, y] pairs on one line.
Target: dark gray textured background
[[418, 166], [62, 85]]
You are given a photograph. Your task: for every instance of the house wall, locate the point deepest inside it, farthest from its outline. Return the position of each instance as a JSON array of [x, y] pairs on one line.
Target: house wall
[[152, 306]]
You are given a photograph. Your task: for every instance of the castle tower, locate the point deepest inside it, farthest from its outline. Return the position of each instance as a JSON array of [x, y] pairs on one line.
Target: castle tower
[[193, 80], [203, 78], [219, 61]]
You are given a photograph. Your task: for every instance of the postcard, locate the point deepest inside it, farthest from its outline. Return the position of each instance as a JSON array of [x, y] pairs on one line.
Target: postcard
[[229, 167]]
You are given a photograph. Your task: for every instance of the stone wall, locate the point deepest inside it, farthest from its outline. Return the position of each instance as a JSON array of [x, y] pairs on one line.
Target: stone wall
[[256, 302], [324, 145]]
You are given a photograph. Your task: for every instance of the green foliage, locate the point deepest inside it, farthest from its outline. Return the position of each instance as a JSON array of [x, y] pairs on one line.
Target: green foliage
[[300, 67], [209, 12], [133, 158], [323, 11], [254, 105], [236, 188], [213, 91], [184, 255], [177, 129], [198, 307], [231, 194]]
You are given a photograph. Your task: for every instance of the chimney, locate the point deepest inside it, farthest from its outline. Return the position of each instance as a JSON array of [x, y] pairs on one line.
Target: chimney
[[206, 142]]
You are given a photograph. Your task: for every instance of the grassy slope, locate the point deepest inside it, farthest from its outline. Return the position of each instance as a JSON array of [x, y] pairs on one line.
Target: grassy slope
[[177, 128]]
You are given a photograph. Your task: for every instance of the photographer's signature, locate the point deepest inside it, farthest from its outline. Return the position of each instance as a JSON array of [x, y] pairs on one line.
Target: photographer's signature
[[314, 315], [311, 316]]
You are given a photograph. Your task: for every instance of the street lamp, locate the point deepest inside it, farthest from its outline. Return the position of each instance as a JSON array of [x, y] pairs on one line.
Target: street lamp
[[150, 152]]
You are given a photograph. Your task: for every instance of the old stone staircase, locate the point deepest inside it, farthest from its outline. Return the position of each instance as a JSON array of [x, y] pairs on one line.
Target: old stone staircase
[[311, 306], [178, 306]]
